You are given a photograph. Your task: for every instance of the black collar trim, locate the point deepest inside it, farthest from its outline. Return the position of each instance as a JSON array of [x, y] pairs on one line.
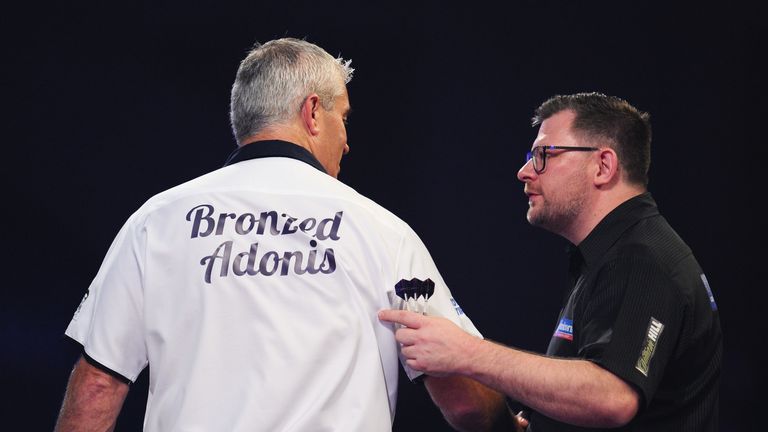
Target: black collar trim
[[605, 234], [273, 148]]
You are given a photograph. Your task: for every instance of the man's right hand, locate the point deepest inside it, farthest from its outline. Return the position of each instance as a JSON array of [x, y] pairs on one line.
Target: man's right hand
[[433, 345]]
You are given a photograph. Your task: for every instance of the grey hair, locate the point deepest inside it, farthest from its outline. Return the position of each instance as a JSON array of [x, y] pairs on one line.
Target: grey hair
[[275, 78]]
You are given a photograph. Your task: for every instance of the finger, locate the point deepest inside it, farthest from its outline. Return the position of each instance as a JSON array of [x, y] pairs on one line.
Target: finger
[[522, 421], [409, 352], [406, 336], [413, 364], [406, 318]]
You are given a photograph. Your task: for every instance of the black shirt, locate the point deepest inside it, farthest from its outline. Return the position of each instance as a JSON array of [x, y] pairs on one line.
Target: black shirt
[[641, 308]]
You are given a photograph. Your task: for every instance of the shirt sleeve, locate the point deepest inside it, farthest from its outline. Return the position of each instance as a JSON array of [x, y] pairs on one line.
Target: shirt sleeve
[[631, 323], [415, 262], [109, 321]]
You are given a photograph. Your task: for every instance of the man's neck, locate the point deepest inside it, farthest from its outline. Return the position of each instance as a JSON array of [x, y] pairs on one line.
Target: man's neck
[[280, 132], [600, 207]]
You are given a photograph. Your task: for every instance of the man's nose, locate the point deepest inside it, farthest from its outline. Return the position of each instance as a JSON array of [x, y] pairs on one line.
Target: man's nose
[[526, 172]]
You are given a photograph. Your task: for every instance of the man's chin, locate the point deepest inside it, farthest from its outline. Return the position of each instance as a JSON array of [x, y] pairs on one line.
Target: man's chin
[[536, 219], [531, 215]]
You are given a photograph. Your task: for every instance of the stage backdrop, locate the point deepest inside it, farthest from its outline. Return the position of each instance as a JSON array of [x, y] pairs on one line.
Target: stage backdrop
[[105, 105]]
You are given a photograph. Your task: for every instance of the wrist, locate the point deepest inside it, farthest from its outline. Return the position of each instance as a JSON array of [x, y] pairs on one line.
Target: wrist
[[473, 354]]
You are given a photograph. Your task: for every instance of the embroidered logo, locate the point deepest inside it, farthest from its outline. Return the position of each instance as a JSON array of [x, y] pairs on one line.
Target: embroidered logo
[[456, 306], [712, 303], [80, 306], [655, 327], [564, 329]]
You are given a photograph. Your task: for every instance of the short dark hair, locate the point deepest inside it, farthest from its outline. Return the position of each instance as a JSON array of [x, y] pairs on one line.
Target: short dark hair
[[611, 120]]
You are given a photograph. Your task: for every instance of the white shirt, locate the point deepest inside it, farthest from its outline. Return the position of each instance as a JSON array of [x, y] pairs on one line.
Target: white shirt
[[253, 293]]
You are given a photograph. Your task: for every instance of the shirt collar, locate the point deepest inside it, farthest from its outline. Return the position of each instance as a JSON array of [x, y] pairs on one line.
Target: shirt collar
[[613, 225], [273, 148]]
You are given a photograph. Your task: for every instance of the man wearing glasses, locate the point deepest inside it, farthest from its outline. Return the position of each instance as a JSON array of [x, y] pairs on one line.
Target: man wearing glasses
[[637, 345]]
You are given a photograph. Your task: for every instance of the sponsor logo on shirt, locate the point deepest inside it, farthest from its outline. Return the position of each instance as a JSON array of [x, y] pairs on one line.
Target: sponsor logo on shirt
[[80, 306], [712, 303], [564, 329], [456, 306], [224, 261], [655, 327]]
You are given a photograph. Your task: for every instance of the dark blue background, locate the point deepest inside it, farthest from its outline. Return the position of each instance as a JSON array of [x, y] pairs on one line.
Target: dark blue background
[[105, 105]]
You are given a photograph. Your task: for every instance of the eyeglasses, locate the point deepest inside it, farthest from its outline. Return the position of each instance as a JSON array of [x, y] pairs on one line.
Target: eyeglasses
[[539, 155]]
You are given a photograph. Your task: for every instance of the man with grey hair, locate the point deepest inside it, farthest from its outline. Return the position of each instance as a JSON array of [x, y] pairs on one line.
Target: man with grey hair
[[253, 290]]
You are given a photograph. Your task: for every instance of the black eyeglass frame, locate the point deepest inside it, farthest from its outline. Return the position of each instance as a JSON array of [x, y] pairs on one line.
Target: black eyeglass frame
[[544, 148]]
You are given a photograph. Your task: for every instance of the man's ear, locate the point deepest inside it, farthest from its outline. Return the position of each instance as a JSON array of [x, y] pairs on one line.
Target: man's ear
[[607, 167], [309, 113]]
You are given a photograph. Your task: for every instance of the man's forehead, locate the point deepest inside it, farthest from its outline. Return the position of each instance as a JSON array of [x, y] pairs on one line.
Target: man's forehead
[[560, 121], [343, 99], [557, 126]]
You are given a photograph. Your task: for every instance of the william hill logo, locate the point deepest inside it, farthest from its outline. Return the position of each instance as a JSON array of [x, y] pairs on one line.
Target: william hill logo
[[564, 329], [655, 327]]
